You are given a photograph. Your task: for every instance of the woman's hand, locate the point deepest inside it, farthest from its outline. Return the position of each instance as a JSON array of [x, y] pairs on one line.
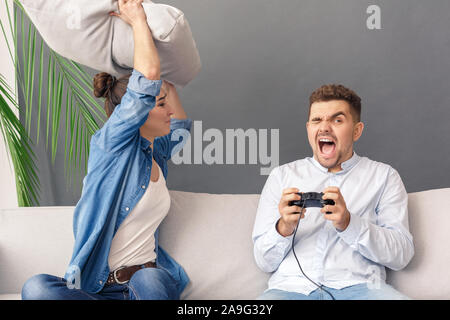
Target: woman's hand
[[130, 11], [146, 59]]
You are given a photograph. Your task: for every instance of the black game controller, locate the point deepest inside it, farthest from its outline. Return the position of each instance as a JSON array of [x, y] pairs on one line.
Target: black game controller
[[312, 199]]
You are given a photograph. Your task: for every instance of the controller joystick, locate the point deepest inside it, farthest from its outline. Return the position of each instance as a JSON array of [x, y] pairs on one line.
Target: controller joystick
[[312, 199]]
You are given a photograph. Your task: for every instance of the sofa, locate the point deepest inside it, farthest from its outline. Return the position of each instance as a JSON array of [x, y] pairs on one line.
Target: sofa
[[210, 235]]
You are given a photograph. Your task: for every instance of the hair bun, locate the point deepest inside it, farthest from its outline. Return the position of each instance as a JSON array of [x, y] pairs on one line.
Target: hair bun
[[103, 84]]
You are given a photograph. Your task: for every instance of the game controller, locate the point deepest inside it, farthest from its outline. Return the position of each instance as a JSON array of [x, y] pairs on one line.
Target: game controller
[[312, 199]]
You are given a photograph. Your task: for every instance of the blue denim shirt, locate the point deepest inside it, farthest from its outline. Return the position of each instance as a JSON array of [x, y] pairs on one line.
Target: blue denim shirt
[[119, 168]]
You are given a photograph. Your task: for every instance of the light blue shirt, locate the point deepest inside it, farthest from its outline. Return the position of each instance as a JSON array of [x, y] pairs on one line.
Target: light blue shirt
[[377, 237], [119, 169]]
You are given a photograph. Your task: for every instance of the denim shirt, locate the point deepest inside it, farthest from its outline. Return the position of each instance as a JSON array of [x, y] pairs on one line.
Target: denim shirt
[[119, 168]]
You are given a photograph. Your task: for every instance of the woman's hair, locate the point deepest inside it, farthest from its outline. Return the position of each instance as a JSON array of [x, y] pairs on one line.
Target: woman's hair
[[111, 88]]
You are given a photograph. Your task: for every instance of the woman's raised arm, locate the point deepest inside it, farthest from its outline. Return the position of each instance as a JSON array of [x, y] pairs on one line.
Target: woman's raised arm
[[146, 59]]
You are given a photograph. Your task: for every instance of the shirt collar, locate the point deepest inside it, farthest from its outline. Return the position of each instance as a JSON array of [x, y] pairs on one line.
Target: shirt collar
[[346, 165], [145, 143]]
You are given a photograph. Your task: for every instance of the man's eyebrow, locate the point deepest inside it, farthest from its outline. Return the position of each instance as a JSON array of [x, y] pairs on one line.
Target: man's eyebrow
[[333, 116], [161, 98], [338, 114]]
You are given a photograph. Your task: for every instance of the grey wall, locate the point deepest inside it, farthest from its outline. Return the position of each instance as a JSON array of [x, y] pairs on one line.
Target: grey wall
[[262, 59]]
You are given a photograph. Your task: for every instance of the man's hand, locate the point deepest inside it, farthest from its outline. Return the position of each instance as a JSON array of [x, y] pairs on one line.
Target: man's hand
[[339, 213], [289, 214]]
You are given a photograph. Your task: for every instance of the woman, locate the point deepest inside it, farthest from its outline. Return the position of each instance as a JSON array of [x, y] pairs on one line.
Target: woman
[[124, 198]]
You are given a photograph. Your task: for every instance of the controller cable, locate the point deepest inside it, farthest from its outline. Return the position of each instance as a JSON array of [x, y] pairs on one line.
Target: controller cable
[[293, 251]]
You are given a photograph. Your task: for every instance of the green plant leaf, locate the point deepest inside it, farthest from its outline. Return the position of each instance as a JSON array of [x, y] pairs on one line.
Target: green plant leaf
[[18, 146], [67, 90]]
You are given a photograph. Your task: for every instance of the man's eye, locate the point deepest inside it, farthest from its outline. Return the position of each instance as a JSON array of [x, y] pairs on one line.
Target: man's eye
[[162, 104]]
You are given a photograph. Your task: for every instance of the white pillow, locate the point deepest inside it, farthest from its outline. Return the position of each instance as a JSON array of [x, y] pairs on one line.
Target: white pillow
[[83, 31]]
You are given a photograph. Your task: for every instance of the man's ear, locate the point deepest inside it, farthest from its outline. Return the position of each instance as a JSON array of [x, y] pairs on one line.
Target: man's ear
[[357, 131]]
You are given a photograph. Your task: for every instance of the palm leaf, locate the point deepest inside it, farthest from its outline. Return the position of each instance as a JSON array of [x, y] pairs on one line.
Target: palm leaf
[[18, 145], [67, 90]]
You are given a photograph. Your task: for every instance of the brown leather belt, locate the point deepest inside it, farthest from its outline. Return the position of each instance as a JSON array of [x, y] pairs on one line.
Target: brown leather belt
[[123, 274]]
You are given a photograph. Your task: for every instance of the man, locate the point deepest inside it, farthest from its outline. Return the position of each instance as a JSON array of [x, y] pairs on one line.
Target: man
[[343, 254]]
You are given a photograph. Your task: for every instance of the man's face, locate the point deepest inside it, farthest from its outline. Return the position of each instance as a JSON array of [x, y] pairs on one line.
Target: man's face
[[331, 133]]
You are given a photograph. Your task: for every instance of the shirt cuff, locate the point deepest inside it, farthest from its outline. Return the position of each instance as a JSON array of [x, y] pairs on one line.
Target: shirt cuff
[[351, 234], [140, 84], [274, 237]]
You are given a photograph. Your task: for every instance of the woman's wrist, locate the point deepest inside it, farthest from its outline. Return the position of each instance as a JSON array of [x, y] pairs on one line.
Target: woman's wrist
[[140, 24]]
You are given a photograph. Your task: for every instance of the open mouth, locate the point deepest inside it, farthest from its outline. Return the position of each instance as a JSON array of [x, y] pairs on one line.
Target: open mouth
[[327, 147]]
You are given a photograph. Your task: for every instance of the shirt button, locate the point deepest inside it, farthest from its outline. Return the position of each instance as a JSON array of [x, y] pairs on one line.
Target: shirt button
[[143, 187], [127, 209], [101, 282]]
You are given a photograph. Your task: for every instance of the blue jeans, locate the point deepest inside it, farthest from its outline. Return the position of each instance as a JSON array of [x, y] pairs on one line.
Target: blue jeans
[[356, 292], [145, 284]]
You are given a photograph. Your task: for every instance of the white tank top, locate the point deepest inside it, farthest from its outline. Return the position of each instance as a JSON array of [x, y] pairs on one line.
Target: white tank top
[[134, 241]]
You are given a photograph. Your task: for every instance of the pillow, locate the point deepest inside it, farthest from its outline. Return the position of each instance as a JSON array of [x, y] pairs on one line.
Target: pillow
[[82, 31]]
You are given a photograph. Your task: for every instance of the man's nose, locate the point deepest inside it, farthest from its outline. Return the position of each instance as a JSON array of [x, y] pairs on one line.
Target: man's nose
[[324, 126]]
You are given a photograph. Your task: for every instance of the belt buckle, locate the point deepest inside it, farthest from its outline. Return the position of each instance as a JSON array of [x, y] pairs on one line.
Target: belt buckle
[[115, 276]]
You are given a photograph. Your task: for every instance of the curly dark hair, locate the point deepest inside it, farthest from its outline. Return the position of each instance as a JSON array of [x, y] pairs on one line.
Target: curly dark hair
[[330, 92]]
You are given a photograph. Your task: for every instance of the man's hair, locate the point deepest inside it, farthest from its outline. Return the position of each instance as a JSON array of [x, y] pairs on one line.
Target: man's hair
[[330, 92]]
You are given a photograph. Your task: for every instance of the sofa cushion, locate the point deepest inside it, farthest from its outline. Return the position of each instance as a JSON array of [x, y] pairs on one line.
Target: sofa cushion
[[32, 241], [426, 276], [16, 296], [83, 31], [210, 236]]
